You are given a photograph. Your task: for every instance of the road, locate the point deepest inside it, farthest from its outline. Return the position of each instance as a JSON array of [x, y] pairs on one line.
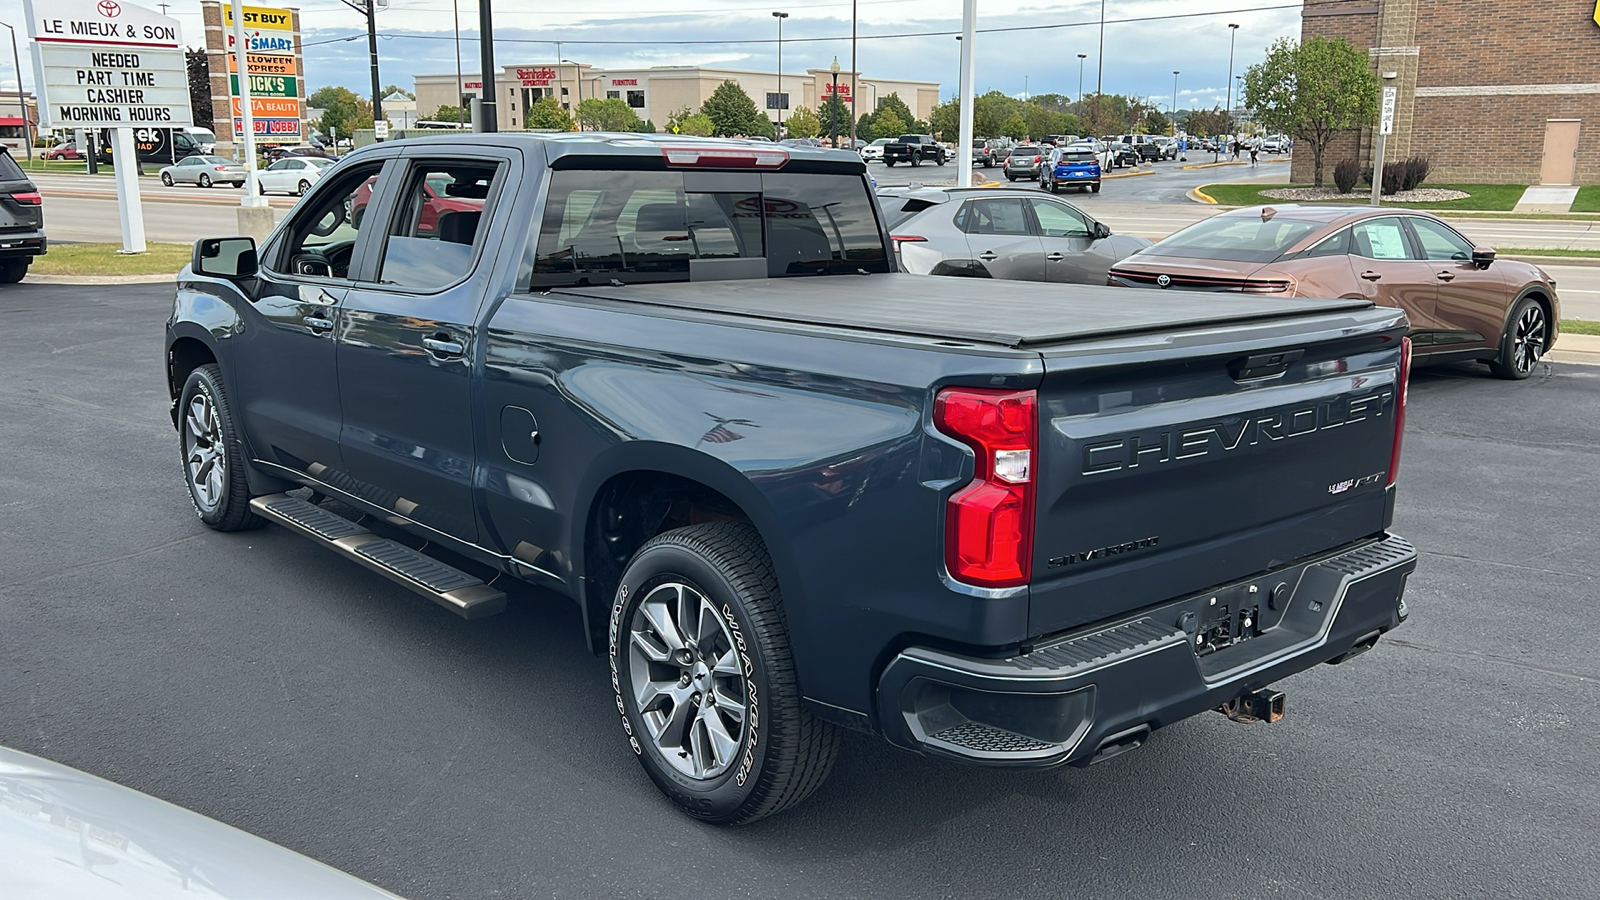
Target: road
[[272, 685]]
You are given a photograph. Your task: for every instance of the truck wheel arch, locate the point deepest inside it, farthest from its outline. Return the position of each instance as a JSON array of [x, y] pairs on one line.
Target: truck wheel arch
[[640, 490], [184, 355]]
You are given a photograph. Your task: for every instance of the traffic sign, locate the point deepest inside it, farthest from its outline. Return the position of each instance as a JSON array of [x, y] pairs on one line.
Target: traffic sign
[[107, 64], [1386, 123], [380, 130]]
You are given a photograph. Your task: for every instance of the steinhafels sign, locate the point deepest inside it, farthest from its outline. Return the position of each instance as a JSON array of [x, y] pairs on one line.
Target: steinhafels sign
[[107, 64]]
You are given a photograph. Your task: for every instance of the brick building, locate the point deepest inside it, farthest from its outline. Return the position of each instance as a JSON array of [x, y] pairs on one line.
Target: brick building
[[1497, 91]]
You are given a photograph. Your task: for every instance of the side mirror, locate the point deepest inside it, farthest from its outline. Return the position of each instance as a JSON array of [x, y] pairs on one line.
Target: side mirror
[[229, 257], [1482, 257], [1101, 230]]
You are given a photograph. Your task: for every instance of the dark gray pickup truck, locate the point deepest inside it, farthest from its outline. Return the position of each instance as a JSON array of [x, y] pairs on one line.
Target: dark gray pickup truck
[[791, 489]]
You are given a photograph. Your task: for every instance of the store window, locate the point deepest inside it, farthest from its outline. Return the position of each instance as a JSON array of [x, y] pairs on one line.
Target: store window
[[776, 100], [636, 99], [613, 95]]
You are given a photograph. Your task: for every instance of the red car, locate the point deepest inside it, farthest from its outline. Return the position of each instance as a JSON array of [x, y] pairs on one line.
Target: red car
[[437, 189], [69, 150], [1463, 304]]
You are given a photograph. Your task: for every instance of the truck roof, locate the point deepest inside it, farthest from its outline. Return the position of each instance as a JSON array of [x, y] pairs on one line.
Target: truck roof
[[607, 143], [1016, 314]]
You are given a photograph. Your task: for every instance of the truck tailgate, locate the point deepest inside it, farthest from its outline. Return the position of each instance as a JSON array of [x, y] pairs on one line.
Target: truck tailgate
[[1165, 478]]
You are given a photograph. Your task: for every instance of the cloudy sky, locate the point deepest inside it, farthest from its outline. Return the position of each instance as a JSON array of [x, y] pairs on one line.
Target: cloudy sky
[[1145, 40]]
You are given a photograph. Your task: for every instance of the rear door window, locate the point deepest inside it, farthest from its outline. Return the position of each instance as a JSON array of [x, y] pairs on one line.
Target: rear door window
[[993, 216], [1379, 239], [438, 224]]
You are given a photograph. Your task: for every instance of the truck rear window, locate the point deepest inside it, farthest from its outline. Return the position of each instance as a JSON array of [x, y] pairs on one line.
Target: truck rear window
[[634, 226]]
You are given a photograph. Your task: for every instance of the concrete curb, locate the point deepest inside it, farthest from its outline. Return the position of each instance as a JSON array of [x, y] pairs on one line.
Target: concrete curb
[[1200, 196], [101, 280], [1555, 260], [1134, 174]]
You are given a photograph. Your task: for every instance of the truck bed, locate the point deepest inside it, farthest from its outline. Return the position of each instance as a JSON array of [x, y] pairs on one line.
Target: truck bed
[[1013, 314]]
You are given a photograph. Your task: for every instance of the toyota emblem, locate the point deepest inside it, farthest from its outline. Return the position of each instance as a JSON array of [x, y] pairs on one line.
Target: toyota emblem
[[109, 8], [1163, 280]]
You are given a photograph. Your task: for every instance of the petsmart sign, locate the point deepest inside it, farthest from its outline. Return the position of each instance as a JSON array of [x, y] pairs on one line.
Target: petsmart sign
[[107, 64]]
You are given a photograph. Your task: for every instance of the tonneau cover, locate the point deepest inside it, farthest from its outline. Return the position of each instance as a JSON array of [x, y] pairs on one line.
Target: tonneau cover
[[1007, 313]]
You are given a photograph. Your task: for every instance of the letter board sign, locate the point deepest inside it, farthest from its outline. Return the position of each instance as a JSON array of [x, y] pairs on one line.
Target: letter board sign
[[107, 64]]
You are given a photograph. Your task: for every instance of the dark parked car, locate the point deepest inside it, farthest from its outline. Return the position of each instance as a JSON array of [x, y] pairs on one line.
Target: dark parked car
[[1073, 166], [1024, 161], [1122, 152], [21, 221], [915, 149], [995, 233], [1003, 523], [1462, 303]]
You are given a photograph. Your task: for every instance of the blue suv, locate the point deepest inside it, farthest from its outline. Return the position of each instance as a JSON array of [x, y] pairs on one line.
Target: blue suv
[[1075, 166]]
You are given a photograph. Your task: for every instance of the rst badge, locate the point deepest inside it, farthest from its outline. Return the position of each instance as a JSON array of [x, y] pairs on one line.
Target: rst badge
[[1342, 486]]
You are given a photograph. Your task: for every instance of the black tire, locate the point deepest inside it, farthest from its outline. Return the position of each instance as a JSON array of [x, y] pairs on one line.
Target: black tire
[[1526, 336], [941, 159], [302, 187], [782, 754], [14, 270], [230, 508], [889, 163], [988, 164], [166, 178], [205, 180], [916, 161], [1095, 187]]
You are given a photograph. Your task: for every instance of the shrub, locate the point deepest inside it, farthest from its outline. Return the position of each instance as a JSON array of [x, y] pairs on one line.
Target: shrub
[[1366, 176], [1416, 172], [1394, 177], [1345, 173]]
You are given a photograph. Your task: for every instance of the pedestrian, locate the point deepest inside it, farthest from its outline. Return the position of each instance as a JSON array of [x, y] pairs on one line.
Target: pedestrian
[[1183, 149], [1233, 149], [1254, 148]]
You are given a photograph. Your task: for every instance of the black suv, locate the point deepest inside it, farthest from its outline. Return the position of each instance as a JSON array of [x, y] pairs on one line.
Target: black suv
[[915, 149], [21, 221]]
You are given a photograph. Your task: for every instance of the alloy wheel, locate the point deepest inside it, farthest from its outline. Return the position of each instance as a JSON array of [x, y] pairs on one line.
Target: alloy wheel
[[203, 451], [1527, 343], [688, 682]]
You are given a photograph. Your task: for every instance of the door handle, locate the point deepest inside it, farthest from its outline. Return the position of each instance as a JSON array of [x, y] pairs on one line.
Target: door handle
[[443, 348], [1447, 276], [1055, 257], [988, 255], [1371, 275], [318, 325]]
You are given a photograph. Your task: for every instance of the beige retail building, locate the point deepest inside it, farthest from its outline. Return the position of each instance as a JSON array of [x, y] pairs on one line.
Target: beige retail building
[[658, 92]]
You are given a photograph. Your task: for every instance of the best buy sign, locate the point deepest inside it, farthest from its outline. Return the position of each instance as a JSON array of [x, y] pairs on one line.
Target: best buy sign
[[267, 85], [1597, 13]]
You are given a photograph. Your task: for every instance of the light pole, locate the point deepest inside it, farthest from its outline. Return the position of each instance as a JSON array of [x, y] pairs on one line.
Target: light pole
[[1233, 33], [22, 100], [834, 104], [855, 75], [1025, 96], [780, 16], [1175, 102], [461, 84], [1081, 58], [488, 118]]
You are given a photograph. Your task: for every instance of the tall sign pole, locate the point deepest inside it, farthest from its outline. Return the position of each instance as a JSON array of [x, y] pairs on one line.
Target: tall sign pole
[[1385, 128], [106, 64], [252, 193], [969, 28], [486, 117]]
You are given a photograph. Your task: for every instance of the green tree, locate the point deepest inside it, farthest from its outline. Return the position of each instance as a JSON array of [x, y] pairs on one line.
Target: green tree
[[908, 120], [698, 124], [1060, 103], [342, 109], [944, 122], [1207, 122], [199, 71], [1155, 122], [803, 123], [452, 114], [1042, 121], [1312, 91], [830, 111], [732, 111], [1015, 126], [990, 112], [608, 115], [887, 123], [546, 113], [647, 127]]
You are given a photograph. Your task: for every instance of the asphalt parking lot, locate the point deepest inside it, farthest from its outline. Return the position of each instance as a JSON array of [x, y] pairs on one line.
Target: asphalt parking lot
[[267, 683]]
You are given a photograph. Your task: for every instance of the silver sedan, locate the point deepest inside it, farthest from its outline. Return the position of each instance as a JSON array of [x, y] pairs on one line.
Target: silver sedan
[[204, 171], [1001, 233]]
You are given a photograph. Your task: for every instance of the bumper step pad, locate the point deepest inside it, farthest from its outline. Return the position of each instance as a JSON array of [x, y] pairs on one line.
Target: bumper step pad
[[455, 590]]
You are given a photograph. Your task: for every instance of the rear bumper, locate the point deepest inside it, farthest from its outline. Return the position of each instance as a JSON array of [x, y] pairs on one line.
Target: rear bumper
[[1096, 692], [23, 243]]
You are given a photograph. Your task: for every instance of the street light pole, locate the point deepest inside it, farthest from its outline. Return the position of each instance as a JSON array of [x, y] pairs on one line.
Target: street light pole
[[1081, 58], [969, 29], [488, 118], [461, 84], [780, 16], [834, 104], [1100, 64], [855, 74], [22, 99], [1174, 102], [1233, 33]]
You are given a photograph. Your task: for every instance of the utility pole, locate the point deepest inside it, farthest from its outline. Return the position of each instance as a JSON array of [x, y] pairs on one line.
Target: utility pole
[[461, 84], [22, 99], [854, 74], [780, 16], [1100, 64], [487, 119], [369, 9]]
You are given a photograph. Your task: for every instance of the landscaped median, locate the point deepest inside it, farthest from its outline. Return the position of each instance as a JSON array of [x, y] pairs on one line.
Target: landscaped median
[[1488, 197], [107, 260]]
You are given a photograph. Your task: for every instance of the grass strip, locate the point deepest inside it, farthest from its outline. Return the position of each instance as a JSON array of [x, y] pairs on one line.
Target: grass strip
[[106, 259]]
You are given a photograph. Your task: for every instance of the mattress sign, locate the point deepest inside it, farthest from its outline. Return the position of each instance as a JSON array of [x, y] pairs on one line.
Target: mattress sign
[[107, 64]]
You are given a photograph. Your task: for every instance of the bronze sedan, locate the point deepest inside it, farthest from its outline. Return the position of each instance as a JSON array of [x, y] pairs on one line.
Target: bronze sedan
[[1463, 304]]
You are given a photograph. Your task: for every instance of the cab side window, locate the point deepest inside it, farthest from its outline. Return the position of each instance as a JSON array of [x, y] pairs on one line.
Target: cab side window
[[322, 235], [438, 224], [998, 216], [1439, 242]]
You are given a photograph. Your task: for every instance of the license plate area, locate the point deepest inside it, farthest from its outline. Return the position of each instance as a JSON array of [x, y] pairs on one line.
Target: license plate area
[[1235, 614]]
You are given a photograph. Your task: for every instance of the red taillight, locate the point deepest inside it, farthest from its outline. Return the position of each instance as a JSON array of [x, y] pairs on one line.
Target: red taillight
[[989, 523], [220, 168], [1038, 159], [731, 157], [1400, 407], [907, 239], [28, 198]]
